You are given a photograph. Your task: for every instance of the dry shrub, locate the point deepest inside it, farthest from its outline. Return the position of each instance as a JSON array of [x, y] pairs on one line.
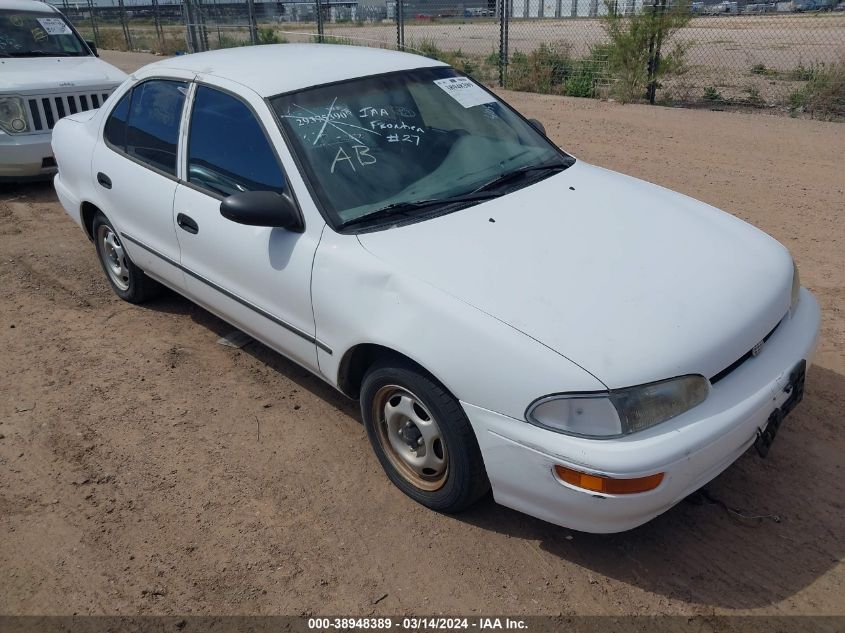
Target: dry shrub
[[635, 52], [111, 38], [823, 96], [551, 69]]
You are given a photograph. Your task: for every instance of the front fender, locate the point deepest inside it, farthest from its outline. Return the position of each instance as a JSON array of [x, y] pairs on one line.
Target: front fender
[[358, 298]]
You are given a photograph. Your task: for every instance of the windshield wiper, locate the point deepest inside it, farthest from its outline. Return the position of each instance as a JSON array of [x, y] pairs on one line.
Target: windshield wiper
[[509, 176], [405, 209]]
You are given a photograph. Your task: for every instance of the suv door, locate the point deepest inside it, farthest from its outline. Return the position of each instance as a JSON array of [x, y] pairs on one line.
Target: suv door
[[257, 278], [135, 166]]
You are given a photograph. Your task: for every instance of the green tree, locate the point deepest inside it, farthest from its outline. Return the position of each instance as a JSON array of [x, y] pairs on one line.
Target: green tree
[[636, 42]]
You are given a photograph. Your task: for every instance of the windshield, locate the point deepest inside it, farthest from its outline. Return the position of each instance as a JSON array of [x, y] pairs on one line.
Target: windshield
[[38, 34], [378, 145]]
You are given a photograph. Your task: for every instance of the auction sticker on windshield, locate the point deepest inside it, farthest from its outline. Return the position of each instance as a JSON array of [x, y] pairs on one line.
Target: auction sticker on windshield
[[465, 91], [54, 26]]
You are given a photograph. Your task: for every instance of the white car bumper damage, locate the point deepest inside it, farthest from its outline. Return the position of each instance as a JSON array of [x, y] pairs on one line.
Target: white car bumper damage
[[690, 450]]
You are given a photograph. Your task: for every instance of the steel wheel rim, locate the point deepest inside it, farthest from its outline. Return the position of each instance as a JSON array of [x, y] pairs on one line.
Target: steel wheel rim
[[113, 257], [410, 437]]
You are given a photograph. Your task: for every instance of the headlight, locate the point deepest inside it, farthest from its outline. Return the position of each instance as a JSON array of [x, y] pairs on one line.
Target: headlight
[[619, 411], [13, 119], [796, 286]]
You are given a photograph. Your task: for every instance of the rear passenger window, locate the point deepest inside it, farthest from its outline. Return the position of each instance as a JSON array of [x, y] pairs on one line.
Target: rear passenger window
[[152, 133], [145, 123], [227, 149]]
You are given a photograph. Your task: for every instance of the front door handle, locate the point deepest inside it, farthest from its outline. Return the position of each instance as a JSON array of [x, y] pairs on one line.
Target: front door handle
[[104, 180], [187, 223]]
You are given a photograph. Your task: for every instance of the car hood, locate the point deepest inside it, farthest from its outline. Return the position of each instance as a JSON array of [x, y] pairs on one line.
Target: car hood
[[629, 280], [56, 74]]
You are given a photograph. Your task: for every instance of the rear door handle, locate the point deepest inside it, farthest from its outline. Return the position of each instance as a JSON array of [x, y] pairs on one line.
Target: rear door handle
[[187, 223], [104, 180]]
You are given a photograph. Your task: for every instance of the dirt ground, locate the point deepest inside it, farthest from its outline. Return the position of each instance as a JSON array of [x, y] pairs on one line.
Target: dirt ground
[[145, 469], [725, 42], [756, 60]]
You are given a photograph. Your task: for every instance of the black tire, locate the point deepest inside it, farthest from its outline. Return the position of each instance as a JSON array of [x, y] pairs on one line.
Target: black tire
[[130, 283], [465, 480]]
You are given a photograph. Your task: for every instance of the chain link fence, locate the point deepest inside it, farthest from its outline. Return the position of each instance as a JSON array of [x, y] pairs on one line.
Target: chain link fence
[[789, 55]]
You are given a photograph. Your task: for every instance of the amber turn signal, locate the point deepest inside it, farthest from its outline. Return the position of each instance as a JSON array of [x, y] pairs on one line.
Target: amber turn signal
[[598, 483]]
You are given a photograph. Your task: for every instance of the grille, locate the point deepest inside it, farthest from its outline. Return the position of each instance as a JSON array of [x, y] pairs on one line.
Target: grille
[[45, 110]]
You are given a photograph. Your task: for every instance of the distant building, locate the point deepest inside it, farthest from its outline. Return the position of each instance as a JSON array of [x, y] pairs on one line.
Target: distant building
[[443, 8]]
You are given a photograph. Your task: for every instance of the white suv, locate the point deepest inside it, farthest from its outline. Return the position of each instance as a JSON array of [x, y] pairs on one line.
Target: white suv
[[47, 71]]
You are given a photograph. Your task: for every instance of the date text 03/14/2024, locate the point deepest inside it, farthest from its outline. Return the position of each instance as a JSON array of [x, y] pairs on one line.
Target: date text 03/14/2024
[[416, 623]]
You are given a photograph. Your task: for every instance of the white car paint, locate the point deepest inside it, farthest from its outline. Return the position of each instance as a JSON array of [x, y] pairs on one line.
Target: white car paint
[[534, 270], [22, 155], [585, 281]]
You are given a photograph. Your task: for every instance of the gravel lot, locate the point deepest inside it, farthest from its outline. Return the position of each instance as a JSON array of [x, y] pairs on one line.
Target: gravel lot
[[146, 469]]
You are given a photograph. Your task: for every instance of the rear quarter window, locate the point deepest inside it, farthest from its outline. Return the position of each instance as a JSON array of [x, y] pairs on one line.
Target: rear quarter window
[[115, 130]]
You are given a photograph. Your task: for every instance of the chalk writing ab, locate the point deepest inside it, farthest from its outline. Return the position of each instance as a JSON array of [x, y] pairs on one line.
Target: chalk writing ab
[[361, 153]]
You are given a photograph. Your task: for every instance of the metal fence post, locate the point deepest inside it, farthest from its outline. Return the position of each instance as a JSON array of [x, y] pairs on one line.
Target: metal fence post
[[400, 24], [187, 22], [94, 29], [202, 29], [654, 43], [191, 31], [253, 24], [504, 15], [319, 21], [157, 20], [125, 25]]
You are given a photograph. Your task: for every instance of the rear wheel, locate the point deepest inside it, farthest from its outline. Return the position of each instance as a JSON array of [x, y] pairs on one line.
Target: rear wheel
[[127, 280], [422, 437]]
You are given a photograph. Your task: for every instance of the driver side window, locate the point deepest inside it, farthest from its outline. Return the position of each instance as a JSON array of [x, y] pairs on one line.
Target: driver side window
[[228, 151]]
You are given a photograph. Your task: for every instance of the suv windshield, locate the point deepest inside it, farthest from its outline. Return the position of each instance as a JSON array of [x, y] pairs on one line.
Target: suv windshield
[[38, 34], [410, 143]]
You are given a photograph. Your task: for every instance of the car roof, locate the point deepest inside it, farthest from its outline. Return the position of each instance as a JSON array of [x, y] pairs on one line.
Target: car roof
[[26, 5], [273, 69]]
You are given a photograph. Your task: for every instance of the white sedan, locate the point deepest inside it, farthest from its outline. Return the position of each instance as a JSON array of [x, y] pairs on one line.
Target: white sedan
[[590, 346]]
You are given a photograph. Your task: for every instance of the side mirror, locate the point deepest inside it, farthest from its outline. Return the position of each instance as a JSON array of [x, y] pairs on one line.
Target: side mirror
[[538, 126], [262, 208], [93, 47]]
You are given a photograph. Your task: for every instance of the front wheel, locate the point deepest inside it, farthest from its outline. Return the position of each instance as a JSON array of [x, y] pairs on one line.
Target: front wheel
[[422, 437]]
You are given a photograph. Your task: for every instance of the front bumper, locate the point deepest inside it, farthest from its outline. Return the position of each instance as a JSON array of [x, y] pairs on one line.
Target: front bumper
[[690, 449], [22, 157]]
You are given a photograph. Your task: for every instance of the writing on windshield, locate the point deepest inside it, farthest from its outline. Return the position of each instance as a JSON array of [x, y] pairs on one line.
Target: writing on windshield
[[348, 136], [382, 141]]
